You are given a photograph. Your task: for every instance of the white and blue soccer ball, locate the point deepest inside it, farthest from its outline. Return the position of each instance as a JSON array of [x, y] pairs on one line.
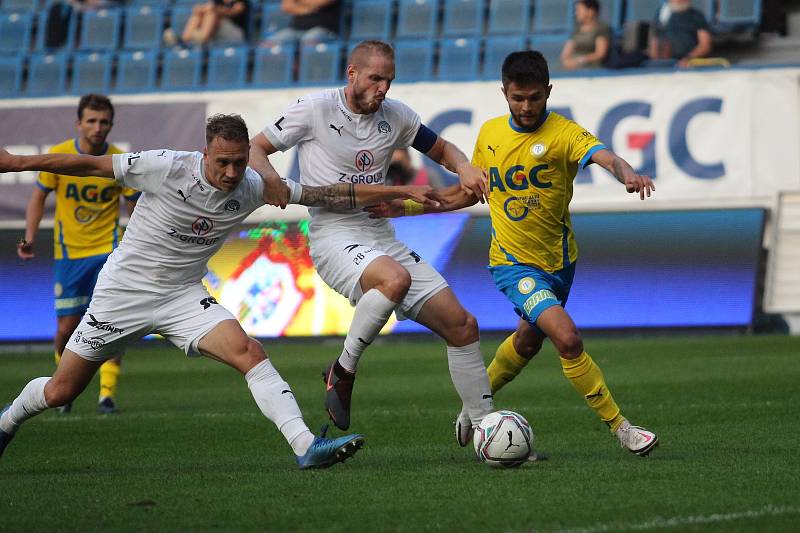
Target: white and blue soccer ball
[[504, 439]]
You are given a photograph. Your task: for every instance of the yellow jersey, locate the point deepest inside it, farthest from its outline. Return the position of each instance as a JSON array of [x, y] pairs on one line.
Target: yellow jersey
[[530, 182], [86, 221]]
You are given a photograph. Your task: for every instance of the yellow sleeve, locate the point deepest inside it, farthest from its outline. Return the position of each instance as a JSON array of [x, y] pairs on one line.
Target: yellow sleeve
[[130, 194], [582, 144], [477, 155], [47, 181]]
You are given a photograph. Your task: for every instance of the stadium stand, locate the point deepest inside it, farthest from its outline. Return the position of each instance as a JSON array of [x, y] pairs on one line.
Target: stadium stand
[[416, 18], [11, 68], [182, 69], [273, 19], [136, 71], [509, 17], [550, 46], [496, 50], [319, 64], [458, 59], [144, 25], [273, 66], [227, 67], [12, 6], [47, 74], [15, 31], [371, 20], [414, 60], [91, 72], [552, 16], [100, 29], [463, 18]]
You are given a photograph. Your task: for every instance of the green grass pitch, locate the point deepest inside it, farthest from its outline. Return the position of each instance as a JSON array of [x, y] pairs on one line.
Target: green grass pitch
[[191, 452]]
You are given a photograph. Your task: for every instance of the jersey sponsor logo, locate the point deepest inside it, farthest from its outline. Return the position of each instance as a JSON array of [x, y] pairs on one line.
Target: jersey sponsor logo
[[198, 183], [526, 285], [361, 178], [346, 115], [103, 325], [537, 298], [384, 127], [95, 343], [90, 193], [84, 214], [232, 205], [202, 225], [208, 302], [337, 130], [360, 256], [538, 149], [517, 178], [278, 123], [518, 207], [193, 239], [364, 160]]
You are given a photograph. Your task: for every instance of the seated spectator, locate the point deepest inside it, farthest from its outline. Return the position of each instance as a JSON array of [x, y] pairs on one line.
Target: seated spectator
[[401, 171], [680, 32], [216, 20], [589, 44], [313, 21]]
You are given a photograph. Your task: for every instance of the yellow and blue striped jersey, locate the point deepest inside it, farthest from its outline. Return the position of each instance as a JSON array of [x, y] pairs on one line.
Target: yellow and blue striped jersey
[[530, 182], [87, 208]]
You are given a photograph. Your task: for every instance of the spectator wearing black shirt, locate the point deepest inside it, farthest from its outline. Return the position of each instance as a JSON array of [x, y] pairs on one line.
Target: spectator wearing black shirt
[[681, 33]]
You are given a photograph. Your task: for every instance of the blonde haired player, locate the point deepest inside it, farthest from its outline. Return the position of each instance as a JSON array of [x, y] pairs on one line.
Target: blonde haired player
[[85, 231]]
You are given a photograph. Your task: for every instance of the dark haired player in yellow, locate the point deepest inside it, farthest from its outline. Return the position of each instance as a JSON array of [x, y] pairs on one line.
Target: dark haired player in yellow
[[531, 157], [86, 231]]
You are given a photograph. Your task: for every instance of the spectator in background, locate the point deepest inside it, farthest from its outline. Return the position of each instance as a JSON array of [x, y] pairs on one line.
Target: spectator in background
[[312, 21], [590, 42], [215, 20], [681, 32], [401, 171]]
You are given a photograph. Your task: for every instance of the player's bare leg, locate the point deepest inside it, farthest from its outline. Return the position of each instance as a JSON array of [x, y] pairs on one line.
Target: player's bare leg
[[587, 378], [384, 283], [228, 343], [65, 327], [444, 315], [70, 379]]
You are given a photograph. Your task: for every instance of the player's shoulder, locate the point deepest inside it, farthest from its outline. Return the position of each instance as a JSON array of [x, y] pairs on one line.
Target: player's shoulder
[[494, 125], [114, 149], [64, 147]]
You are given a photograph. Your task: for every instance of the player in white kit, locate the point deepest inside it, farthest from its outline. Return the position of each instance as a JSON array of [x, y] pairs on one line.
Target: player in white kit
[[152, 281], [347, 135]]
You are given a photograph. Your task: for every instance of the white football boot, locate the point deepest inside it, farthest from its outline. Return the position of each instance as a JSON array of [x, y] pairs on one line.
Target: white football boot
[[636, 439], [463, 429]]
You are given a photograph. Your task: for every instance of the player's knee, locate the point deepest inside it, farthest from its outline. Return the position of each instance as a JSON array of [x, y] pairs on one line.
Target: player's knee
[[395, 285], [254, 354], [58, 393], [527, 347], [569, 344], [464, 331]]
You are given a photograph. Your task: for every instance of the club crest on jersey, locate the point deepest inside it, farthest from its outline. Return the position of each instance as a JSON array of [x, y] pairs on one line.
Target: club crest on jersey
[[526, 285], [232, 205], [202, 226], [384, 127], [84, 214], [538, 150], [364, 160]]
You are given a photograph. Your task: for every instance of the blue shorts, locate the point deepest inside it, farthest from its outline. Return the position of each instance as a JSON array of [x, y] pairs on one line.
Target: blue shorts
[[532, 290], [74, 283]]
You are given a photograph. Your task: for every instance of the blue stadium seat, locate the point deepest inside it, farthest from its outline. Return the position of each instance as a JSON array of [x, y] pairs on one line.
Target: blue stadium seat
[[100, 29], [371, 19], [155, 3], [273, 19], [509, 17], [413, 60], [47, 74], [273, 66], [136, 71], [463, 17], [319, 64], [41, 23], [641, 9], [15, 32], [144, 25], [550, 46], [181, 69], [19, 6], [178, 17], [91, 72], [416, 18], [11, 68], [496, 51], [458, 59], [740, 12], [227, 67], [552, 16]]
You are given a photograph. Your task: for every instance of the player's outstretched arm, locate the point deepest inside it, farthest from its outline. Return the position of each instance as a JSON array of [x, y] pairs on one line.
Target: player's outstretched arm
[[448, 199], [472, 178], [624, 173], [351, 196], [69, 164]]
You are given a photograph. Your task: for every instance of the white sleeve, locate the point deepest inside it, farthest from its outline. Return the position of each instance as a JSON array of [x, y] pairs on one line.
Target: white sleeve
[[293, 126], [295, 190], [143, 171], [409, 126]]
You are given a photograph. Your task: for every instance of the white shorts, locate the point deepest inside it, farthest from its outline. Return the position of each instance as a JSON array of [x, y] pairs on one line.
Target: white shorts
[[118, 316], [341, 259]]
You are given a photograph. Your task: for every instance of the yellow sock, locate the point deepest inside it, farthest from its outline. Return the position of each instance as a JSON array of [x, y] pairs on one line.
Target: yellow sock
[[587, 378], [506, 365], [109, 372], [57, 356]]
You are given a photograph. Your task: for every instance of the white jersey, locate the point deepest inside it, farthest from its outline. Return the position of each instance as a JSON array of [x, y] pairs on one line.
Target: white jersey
[[336, 145], [180, 220]]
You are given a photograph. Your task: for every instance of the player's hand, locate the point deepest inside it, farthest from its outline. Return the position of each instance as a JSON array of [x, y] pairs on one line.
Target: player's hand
[[641, 184], [474, 180], [423, 194], [392, 209], [25, 250], [5, 161], [276, 192]]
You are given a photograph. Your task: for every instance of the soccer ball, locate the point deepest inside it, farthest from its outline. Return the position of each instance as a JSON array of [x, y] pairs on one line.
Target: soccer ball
[[504, 439]]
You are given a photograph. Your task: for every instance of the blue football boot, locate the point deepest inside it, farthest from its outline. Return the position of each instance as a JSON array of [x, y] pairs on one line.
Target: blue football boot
[[5, 438], [325, 452]]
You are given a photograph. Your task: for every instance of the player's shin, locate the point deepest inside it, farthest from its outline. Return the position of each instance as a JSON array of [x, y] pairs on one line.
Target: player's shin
[[109, 374], [276, 400], [29, 403], [506, 365], [468, 373], [372, 312], [587, 378]]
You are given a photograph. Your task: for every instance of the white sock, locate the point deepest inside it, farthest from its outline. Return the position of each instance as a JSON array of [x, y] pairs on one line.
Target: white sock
[[276, 400], [470, 379], [29, 403], [372, 313]]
